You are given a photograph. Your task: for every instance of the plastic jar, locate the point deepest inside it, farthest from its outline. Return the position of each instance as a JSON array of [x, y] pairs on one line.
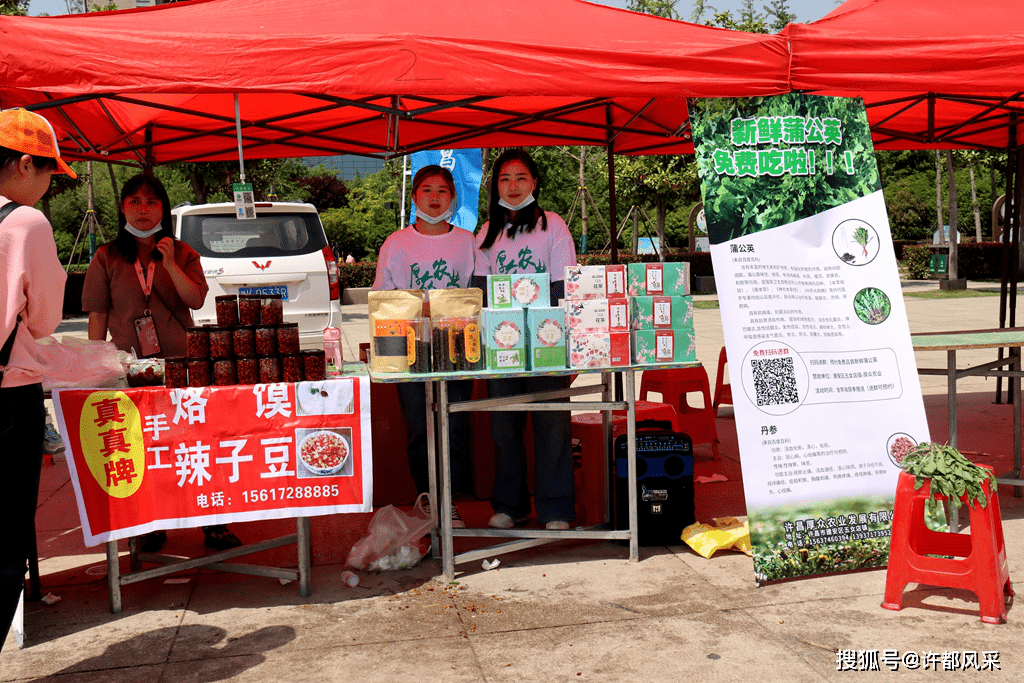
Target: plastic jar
[[266, 340], [288, 338], [176, 372], [227, 310], [270, 369], [244, 340], [271, 309], [221, 342], [224, 372], [249, 309], [247, 370], [292, 367], [314, 365], [197, 342], [198, 372]]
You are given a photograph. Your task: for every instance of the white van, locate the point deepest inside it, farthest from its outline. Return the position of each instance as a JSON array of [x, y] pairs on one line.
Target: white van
[[282, 251]]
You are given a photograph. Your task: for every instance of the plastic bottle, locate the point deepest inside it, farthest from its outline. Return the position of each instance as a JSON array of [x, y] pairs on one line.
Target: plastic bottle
[[350, 578], [332, 349]]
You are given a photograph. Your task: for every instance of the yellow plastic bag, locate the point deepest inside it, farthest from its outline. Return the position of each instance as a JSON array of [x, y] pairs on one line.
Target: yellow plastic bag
[[728, 532]]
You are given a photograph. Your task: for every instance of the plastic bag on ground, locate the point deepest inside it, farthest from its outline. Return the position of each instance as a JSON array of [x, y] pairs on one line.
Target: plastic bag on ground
[[727, 532], [393, 538], [76, 362]]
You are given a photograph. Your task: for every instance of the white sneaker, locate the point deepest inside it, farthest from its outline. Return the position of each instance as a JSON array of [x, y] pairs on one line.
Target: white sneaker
[[52, 443], [499, 520], [557, 525]]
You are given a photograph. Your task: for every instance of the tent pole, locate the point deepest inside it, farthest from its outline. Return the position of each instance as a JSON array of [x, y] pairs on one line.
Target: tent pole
[[147, 167], [611, 188], [1004, 237], [238, 133]]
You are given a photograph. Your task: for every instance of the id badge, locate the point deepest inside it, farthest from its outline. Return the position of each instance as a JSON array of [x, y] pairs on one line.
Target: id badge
[[149, 343]]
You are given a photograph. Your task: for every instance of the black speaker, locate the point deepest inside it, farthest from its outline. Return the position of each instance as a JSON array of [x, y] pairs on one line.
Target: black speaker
[[664, 481]]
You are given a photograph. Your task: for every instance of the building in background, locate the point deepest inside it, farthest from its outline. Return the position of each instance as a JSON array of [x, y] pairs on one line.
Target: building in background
[[347, 165]]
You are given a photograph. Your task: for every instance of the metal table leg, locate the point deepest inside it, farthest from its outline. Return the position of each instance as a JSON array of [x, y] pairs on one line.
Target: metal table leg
[[630, 390], [954, 513], [445, 513], [435, 546]]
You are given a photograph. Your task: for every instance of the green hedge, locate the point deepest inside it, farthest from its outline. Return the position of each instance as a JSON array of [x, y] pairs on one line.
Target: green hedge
[[359, 274], [975, 261], [916, 259]]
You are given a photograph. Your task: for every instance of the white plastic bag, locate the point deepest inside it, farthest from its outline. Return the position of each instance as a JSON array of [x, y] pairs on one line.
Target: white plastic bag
[[392, 538], [77, 362]]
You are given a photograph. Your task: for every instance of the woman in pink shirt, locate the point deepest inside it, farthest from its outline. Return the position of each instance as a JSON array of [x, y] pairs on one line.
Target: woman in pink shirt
[[30, 308]]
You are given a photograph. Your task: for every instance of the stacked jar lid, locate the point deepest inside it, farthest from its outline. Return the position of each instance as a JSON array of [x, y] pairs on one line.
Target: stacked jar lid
[[251, 344]]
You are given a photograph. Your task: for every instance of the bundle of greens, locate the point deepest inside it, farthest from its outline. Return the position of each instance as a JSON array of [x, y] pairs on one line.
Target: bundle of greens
[[950, 473]]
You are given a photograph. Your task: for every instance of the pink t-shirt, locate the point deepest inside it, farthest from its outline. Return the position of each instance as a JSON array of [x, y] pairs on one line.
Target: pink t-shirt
[[33, 288]]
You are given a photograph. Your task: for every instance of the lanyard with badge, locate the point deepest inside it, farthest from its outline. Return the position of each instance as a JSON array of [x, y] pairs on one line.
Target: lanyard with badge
[[145, 327]]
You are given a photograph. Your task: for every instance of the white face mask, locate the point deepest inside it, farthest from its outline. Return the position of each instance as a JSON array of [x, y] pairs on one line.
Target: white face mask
[[433, 220], [526, 202], [142, 234]]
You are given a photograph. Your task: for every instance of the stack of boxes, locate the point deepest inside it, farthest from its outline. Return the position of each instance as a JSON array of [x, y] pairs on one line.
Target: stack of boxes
[[597, 316], [522, 330], [662, 313]]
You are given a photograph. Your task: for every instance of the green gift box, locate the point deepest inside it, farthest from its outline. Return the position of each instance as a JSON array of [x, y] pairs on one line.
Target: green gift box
[[545, 342], [664, 346], [521, 290], [659, 279], [661, 312], [504, 338]]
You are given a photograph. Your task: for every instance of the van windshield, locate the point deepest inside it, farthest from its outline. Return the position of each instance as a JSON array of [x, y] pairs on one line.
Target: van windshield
[[276, 234]]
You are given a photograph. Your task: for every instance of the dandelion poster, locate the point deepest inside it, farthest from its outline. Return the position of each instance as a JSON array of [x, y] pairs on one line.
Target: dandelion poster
[[825, 388]]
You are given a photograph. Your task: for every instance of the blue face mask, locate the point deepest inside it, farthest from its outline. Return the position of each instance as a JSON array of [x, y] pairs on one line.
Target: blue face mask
[[142, 234], [523, 204]]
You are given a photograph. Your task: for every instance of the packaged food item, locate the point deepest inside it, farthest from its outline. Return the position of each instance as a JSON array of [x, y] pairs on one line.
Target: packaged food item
[[176, 372], [244, 340], [266, 340], [504, 334], [388, 313], [270, 369], [198, 372], [271, 309], [598, 349], [419, 338], [659, 279], [664, 346], [661, 312], [249, 309], [227, 310], [247, 370], [292, 367], [288, 338], [224, 372], [545, 342], [197, 342], [221, 342], [314, 365], [455, 345], [523, 290], [146, 372], [595, 282]]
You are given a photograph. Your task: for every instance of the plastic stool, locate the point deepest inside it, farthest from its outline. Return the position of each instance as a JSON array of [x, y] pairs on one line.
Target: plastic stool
[[673, 385], [589, 468], [980, 562], [723, 390]]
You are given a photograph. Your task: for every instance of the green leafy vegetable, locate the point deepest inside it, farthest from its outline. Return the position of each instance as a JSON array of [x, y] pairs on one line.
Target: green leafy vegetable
[[872, 305], [951, 474]]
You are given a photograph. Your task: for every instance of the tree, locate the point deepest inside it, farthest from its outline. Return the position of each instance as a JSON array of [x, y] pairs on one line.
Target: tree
[[325, 189], [658, 181], [361, 227], [16, 8], [658, 8], [211, 181], [779, 14]]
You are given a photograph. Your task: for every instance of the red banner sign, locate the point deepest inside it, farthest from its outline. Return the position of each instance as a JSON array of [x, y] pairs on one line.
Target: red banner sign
[[155, 458]]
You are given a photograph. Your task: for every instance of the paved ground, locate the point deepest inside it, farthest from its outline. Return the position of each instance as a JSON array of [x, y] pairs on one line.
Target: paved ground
[[570, 611]]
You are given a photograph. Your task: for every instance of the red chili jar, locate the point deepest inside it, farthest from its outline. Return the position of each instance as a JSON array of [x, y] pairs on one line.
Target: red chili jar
[[224, 372], [247, 370], [227, 310], [315, 365], [249, 309], [221, 343], [270, 369], [175, 372], [198, 373], [197, 342], [244, 341], [288, 338], [292, 369], [271, 309], [266, 340]]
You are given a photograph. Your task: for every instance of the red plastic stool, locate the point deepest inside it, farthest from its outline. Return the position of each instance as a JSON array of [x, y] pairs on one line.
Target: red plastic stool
[[980, 565], [723, 390], [674, 384], [589, 467]]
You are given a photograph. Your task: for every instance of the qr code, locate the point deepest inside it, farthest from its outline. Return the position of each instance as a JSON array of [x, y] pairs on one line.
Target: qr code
[[250, 212], [774, 381]]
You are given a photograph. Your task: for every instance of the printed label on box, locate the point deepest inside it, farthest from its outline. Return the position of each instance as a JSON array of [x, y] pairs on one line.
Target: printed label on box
[[507, 334], [664, 345], [662, 311], [615, 281], [655, 279], [499, 291], [618, 315], [585, 282], [525, 291], [550, 333], [509, 359]]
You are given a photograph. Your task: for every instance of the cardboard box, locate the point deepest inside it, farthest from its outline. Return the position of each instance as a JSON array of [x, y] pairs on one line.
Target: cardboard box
[[664, 346], [661, 312], [587, 315], [659, 279], [545, 341], [504, 338], [523, 290], [585, 282], [598, 349]]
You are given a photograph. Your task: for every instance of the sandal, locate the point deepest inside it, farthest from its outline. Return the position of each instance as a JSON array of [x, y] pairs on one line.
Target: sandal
[[220, 538], [152, 542]]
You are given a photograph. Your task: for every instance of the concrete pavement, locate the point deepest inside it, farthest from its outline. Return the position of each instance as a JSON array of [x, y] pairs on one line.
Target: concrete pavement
[[568, 611]]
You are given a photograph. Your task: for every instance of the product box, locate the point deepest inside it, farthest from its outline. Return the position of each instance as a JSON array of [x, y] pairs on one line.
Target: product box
[[598, 349], [523, 290], [545, 341], [504, 338], [659, 279], [664, 346], [595, 282], [661, 312], [587, 315]]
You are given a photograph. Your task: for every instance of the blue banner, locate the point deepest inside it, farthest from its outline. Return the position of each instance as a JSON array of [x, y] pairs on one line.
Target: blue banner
[[467, 168]]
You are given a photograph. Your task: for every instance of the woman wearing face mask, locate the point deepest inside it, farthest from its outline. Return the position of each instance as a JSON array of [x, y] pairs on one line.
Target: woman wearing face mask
[[140, 288], [431, 253], [522, 238]]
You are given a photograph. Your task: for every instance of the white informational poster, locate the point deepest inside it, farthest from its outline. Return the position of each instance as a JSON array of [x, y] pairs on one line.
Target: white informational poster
[[825, 385]]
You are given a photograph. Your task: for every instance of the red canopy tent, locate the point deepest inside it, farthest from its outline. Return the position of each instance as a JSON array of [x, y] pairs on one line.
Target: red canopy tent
[[379, 78], [934, 73]]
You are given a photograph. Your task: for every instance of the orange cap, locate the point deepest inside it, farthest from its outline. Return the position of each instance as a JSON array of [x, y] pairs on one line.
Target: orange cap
[[27, 132]]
